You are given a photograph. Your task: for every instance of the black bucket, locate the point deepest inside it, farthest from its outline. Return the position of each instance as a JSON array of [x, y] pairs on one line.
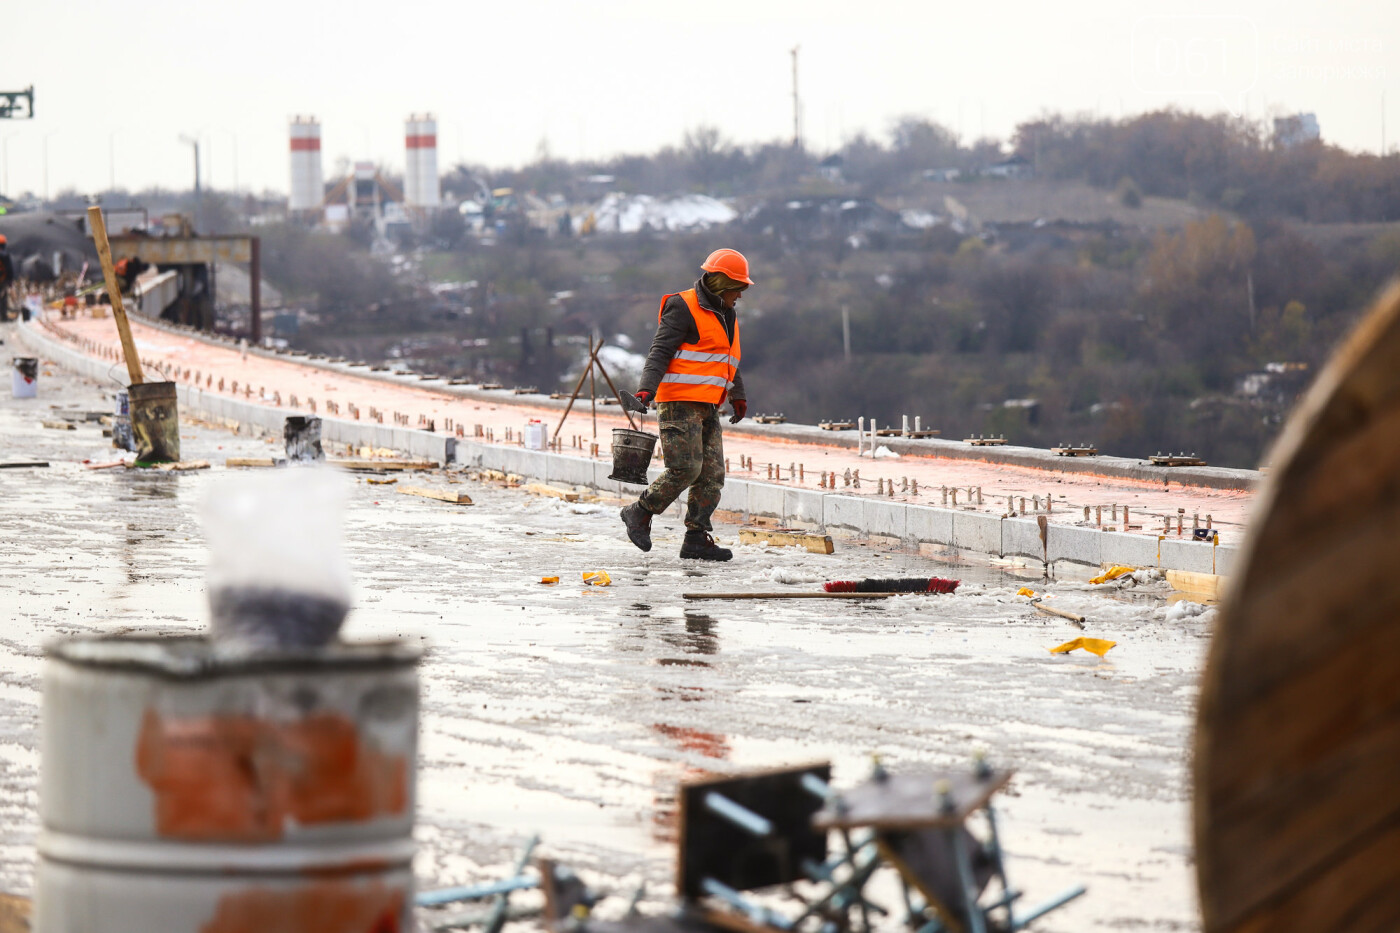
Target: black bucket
[[632, 452], [303, 438], [155, 420]]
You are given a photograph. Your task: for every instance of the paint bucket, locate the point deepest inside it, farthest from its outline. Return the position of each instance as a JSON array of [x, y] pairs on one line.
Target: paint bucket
[[155, 421], [24, 378], [632, 452], [185, 788], [302, 435]]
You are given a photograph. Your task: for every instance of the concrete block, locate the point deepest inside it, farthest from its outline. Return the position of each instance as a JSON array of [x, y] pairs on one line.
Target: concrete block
[[930, 525], [1077, 545], [976, 531], [1020, 537], [534, 464], [803, 505], [1227, 559], [601, 469], [569, 471], [766, 499], [843, 512], [1128, 550], [1188, 554], [887, 519], [734, 497]]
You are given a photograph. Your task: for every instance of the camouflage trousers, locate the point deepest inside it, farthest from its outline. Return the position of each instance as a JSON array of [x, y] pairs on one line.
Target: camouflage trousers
[[692, 443]]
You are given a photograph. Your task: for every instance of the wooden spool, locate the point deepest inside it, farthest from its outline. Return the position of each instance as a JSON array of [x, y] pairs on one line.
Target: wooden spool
[[1297, 817]]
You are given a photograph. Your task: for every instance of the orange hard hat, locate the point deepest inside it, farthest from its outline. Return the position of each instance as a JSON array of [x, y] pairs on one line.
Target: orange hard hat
[[3, 241], [729, 261]]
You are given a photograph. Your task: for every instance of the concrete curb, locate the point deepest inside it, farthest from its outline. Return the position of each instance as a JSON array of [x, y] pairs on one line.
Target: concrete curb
[[1028, 457], [913, 524]]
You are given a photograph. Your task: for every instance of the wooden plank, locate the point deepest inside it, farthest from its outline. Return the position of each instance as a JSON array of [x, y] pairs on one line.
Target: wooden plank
[[21, 464], [985, 441], [114, 293], [384, 464], [60, 425], [553, 492], [15, 913], [444, 495], [1209, 585], [1075, 451], [817, 544], [254, 462], [182, 466]]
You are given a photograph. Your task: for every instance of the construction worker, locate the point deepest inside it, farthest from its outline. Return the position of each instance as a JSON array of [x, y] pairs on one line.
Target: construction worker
[[127, 271], [692, 369], [7, 277]]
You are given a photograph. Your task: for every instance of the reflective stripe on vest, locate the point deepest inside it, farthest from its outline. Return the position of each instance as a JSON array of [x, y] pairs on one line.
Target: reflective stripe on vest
[[702, 371]]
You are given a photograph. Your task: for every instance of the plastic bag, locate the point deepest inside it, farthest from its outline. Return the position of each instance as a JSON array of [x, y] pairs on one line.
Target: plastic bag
[[277, 574]]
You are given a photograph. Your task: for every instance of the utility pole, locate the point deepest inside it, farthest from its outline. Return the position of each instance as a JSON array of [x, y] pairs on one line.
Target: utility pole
[[198, 196], [796, 108]]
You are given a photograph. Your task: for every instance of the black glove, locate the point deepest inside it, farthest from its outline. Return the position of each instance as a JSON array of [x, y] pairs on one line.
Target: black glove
[[741, 408], [637, 403]]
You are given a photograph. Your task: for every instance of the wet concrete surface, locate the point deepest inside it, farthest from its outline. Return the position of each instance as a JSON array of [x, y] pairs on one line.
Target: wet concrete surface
[[573, 711]]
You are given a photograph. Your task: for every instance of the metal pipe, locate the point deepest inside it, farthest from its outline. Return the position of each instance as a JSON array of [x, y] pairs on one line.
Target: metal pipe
[[741, 816], [474, 892]]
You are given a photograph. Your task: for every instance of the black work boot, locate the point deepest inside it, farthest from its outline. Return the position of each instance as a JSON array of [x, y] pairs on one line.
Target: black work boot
[[638, 522], [699, 545]]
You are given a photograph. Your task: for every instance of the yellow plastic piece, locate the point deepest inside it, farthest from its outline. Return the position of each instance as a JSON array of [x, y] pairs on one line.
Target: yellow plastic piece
[[1112, 573], [1025, 591], [549, 579], [1098, 646], [596, 578]]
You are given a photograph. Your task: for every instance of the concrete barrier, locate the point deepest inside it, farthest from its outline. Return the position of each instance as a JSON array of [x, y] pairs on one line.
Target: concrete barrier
[[979, 532], [928, 525]]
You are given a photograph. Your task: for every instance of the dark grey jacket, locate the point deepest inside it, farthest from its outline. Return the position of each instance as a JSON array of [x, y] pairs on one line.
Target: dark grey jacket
[[678, 327]]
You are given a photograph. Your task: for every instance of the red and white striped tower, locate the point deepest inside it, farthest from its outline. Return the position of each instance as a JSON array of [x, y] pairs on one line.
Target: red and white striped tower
[[308, 187], [421, 189]]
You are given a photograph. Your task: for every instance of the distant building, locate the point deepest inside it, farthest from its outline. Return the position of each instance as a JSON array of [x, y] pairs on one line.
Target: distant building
[[830, 168], [1295, 130], [1014, 167]]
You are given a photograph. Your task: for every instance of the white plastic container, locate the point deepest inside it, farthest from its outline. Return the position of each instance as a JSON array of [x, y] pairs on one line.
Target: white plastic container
[[536, 435], [24, 377]]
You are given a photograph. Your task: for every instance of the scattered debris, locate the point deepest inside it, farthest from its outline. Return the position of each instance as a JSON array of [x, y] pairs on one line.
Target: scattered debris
[[386, 481], [1098, 646], [1112, 573], [549, 580], [1074, 617], [21, 464], [597, 578], [60, 425]]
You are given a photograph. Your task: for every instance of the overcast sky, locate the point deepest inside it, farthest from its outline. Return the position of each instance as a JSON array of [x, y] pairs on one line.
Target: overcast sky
[[117, 84]]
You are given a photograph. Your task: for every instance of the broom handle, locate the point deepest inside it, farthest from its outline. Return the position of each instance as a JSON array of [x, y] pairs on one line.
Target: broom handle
[[114, 293], [793, 595]]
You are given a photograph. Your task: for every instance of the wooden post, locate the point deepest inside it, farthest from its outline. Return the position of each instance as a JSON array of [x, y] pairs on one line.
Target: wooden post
[[114, 293], [592, 392]]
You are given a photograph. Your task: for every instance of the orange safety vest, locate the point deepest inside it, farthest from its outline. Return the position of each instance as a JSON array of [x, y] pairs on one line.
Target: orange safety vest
[[702, 371]]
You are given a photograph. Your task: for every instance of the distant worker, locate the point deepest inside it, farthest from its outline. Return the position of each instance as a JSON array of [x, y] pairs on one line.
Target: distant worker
[[7, 277], [693, 367], [128, 270]]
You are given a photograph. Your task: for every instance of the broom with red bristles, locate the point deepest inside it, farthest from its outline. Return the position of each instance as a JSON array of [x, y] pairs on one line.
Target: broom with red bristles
[[895, 585]]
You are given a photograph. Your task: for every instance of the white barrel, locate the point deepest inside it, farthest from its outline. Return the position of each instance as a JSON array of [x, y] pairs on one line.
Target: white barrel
[[24, 377], [188, 790]]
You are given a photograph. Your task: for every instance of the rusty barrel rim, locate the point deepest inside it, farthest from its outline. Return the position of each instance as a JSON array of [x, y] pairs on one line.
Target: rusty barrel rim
[[632, 452], [196, 657]]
